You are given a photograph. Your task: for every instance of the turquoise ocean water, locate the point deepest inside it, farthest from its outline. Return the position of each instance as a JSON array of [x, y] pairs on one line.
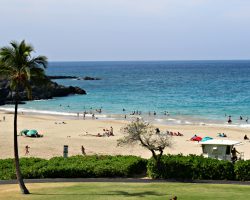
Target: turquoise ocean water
[[191, 91]]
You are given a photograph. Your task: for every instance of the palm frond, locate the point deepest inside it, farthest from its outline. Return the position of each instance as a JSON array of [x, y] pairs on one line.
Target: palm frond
[[39, 61], [20, 67]]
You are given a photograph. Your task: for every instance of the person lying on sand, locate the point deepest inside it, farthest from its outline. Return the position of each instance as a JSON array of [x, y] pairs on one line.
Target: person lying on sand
[[222, 135], [174, 133], [179, 134]]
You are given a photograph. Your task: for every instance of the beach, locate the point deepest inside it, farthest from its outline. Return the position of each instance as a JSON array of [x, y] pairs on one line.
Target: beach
[[60, 130]]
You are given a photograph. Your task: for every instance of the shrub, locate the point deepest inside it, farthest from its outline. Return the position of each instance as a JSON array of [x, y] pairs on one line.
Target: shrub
[[242, 170], [7, 170], [75, 167], [190, 167]]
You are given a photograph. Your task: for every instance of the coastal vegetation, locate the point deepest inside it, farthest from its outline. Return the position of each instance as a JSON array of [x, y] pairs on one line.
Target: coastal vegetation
[[76, 167], [20, 68], [124, 191], [177, 167], [191, 167]]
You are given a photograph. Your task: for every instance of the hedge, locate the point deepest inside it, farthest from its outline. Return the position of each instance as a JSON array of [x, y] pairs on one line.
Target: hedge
[[190, 167], [75, 167], [242, 170]]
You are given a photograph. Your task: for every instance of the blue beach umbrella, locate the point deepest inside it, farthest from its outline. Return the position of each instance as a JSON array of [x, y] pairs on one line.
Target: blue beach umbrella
[[32, 133]]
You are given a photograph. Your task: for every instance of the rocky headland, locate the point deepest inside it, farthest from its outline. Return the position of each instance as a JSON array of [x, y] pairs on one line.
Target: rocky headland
[[47, 90]]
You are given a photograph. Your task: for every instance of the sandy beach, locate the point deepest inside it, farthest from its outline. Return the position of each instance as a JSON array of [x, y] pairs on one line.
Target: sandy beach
[[78, 132]]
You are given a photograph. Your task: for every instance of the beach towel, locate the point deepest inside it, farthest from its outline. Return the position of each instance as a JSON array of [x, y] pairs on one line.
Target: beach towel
[[206, 138]]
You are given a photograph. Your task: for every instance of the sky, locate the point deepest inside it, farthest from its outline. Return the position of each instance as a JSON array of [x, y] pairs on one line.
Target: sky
[[99, 30]]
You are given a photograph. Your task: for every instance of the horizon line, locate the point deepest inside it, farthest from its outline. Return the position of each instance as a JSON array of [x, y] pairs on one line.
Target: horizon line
[[157, 60]]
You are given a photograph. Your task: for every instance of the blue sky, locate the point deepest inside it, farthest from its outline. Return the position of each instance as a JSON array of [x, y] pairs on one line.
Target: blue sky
[[129, 29]]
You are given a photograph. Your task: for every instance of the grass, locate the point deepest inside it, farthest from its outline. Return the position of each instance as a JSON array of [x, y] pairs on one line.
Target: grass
[[128, 191]]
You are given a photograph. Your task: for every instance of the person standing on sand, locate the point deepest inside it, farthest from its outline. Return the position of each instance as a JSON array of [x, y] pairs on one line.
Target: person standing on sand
[[27, 150], [111, 131], [3, 118], [234, 154], [83, 151]]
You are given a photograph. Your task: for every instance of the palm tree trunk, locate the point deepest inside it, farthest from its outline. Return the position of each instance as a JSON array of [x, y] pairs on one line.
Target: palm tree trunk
[[23, 188]]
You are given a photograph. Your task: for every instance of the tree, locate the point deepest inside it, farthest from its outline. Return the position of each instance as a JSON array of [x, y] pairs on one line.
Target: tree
[[140, 132], [20, 69]]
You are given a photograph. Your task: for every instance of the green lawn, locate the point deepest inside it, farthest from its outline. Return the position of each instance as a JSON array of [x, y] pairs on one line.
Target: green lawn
[[128, 191]]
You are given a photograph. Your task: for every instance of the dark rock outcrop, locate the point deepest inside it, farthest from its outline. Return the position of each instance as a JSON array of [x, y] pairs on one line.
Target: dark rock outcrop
[[86, 78], [47, 90], [62, 77]]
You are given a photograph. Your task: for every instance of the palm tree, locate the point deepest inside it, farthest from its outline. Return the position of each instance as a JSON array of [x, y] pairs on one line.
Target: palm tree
[[20, 68]]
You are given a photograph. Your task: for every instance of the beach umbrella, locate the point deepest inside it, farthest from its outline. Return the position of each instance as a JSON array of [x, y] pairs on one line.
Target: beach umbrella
[[196, 138], [24, 132], [32, 133]]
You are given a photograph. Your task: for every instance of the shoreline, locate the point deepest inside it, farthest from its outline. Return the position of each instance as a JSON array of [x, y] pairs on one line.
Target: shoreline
[[157, 119], [77, 132]]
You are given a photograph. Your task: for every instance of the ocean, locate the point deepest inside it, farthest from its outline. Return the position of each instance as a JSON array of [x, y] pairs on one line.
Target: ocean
[[190, 92]]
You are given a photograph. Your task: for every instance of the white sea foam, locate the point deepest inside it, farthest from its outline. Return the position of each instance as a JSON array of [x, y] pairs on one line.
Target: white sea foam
[[45, 100], [39, 111], [245, 125], [47, 112], [171, 119]]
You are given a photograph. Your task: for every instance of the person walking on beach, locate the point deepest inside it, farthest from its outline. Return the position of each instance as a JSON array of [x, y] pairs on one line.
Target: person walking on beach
[[229, 119], [27, 150], [111, 131], [83, 151], [84, 115], [93, 116], [3, 118]]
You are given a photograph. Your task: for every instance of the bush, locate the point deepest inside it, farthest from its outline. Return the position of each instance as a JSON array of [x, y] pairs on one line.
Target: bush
[[7, 170], [190, 167], [75, 167], [170, 167], [242, 170]]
